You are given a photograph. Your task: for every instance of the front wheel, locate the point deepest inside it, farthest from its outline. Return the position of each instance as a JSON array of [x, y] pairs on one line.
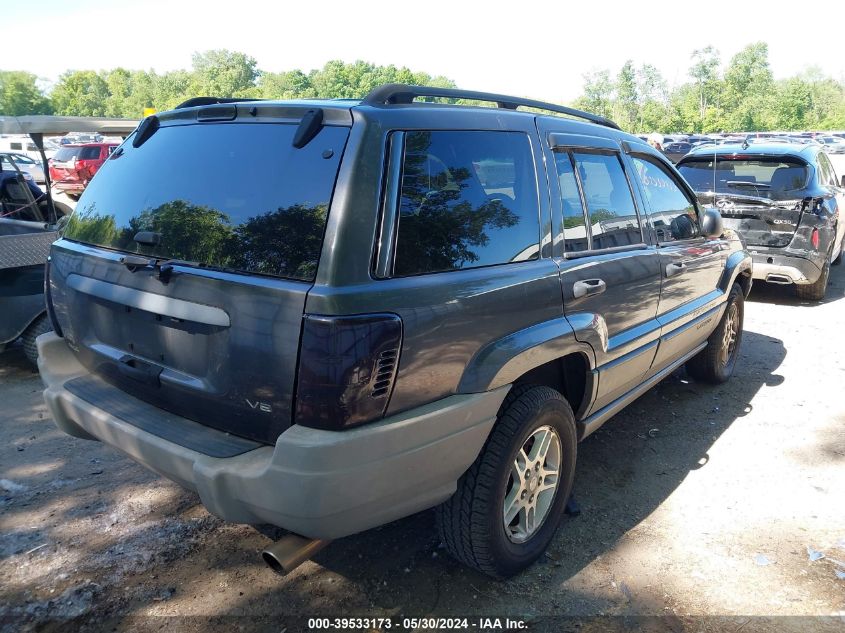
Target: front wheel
[[715, 363], [508, 505]]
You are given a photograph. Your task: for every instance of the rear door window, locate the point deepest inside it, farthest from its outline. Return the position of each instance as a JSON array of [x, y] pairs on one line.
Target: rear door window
[[235, 196], [673, 215], [575, 234], [610, 205], [468, 199]]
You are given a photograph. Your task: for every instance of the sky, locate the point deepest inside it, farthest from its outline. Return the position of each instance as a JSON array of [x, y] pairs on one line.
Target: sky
[[539, 49]]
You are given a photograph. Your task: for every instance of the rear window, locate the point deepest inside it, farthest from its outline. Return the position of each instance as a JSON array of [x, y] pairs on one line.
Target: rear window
[[236, 196], [763, 177], [67, 153]]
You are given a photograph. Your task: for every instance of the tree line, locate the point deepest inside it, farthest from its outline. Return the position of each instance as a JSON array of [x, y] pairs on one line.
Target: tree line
[[740, 95], [126, 93]]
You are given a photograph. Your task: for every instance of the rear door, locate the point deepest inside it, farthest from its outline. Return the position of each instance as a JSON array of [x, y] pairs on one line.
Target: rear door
[[610, 276], [183, 272], [690, 265]]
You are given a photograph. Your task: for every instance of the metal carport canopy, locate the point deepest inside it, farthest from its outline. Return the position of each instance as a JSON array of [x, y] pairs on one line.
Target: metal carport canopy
[[48, 124]]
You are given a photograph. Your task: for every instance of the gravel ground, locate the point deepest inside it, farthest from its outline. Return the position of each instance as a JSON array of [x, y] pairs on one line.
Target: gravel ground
[[702, 505]]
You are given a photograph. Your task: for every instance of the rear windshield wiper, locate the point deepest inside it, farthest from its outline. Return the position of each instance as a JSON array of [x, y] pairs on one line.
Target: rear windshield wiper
[[163, 266]]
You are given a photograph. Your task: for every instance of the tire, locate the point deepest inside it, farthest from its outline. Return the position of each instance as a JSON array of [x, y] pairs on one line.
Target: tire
[[35, 329], [816, 290], [472, 522], [715, 363]]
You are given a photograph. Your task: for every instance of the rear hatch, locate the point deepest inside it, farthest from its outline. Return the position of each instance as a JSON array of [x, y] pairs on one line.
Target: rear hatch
[[63, 164], [182, 275], [761, 197]]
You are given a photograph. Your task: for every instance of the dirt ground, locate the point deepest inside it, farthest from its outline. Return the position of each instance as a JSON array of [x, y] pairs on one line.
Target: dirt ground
[[702, 505]]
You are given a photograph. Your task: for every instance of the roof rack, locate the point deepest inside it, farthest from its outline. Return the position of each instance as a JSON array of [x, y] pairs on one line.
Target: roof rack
[[204, 101], [402, 93]]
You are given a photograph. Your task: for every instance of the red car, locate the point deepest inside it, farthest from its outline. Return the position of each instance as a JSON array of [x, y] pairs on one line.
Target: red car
[[74, 166]]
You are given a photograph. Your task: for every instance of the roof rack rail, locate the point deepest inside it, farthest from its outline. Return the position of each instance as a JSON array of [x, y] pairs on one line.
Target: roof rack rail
[[402, 93], [203, 101]]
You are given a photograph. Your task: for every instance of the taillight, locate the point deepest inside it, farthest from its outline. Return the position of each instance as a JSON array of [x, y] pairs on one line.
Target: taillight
[[48, 295], [814, 239], [347, 367]]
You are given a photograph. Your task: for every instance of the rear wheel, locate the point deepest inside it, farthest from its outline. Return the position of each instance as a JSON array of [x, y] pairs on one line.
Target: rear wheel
[[815, 291], [715, 363], [35, 329], [509, 503]]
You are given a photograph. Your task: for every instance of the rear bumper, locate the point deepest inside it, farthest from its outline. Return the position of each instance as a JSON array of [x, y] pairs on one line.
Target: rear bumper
[[321, 484], [776, 267], [69, 186]]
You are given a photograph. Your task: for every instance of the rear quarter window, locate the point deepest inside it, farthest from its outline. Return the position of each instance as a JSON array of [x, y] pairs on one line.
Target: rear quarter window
[[468, 199]]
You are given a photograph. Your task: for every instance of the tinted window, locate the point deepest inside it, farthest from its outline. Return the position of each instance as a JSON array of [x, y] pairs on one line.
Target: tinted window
[[826, 174], [89, 153], [763, 177], [23, 159], [67, 153], [574, 226], [15, 146], [236, 196], [672, 213], [610, 207], [468, 199]]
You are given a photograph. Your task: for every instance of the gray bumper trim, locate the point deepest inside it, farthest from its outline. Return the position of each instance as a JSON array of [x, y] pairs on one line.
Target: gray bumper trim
[[796, 269], [321, 484]]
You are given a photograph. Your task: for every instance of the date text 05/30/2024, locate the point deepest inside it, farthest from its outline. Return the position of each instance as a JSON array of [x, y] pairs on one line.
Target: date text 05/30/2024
[[412, 624]]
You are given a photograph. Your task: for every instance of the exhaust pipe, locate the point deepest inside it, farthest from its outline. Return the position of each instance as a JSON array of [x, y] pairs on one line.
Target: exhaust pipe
[[290, 551], [778, 279]]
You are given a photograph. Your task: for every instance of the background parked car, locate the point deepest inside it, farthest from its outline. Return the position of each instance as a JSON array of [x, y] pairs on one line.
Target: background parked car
[[676, 151], [26, 164], [74, 166], [784, 199]]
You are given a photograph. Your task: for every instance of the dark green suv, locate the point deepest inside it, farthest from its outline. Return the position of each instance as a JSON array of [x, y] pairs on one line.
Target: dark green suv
[[328, 315]]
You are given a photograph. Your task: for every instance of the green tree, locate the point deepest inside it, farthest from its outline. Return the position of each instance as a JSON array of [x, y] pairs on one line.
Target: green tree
[[129, 92], [171, 89], [626, 110], [598, 94], [80, 93], [293, 84], [705, 72], [793, 104], [748, 89], [652, 95], [19, 94], [223, 73]]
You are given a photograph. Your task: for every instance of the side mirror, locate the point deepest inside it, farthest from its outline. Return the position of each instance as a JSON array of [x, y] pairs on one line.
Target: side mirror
[[711, 224]]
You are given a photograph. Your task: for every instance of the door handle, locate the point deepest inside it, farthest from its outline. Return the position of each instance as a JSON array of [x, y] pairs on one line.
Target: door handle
[[139, 370], [675, 268], [588, 287]]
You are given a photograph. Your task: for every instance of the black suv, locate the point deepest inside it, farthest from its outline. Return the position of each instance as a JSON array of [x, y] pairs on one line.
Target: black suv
[[786, 202], [328, 315]]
